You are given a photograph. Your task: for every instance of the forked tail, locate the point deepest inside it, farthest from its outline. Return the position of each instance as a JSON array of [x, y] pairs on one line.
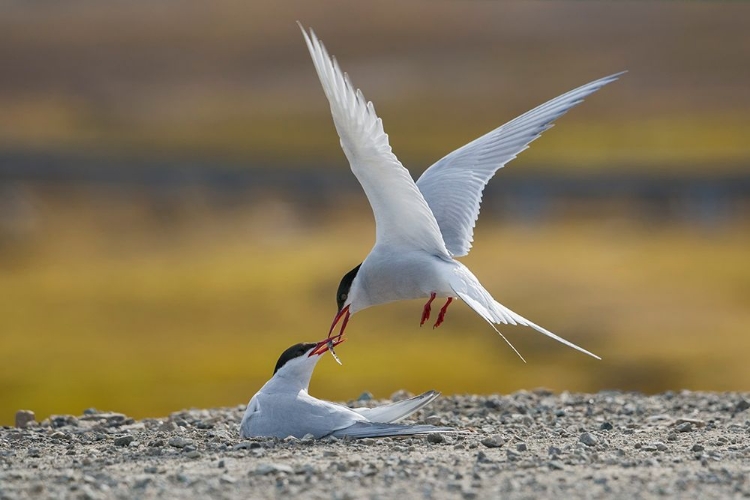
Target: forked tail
[[468, 288], [395, 412]]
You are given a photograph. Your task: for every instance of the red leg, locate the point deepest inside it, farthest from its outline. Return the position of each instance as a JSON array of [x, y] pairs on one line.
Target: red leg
[[441, 316], [427, 309]]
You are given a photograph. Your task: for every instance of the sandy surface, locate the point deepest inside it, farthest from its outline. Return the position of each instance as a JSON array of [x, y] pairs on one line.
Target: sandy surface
[[525, 445]]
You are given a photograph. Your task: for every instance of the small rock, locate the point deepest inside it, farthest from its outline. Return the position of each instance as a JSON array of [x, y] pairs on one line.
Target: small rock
[[124, 440], [33, 452], [168, 426], [179, 442], [227, 479], [90, 411], [365, 396], [588, 439], [433, 420], [742, 405], [435, 438], [684, 427], [697, 447], [495, 441], [521, 447], [401, 395], [24, 418], [512, 455], [272, 468], [221, 464], [482, 457], [606, 426], [246, 445], [193, 454], [555, 465], [660, 446], [59, 435]]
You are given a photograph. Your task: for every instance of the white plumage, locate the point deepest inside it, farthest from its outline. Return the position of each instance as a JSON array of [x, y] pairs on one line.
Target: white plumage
[[283, 407], [422, 226]]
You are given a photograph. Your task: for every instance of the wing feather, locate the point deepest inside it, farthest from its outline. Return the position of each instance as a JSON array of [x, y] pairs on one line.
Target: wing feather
[[453, 186], [402, 217]]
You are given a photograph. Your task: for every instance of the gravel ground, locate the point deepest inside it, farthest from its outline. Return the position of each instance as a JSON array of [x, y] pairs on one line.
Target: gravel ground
[[525, 445]]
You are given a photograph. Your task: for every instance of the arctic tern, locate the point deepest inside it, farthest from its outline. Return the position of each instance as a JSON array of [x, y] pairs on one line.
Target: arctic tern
[[283, 407], [420, 228]]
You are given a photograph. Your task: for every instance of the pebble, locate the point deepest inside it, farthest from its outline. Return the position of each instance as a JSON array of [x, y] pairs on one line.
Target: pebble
[[24, 418], [495, 441], [435, 438], [124, 440], [179, 442], [185, 462], [401, 395], [588, 439], [556, 465], [684, 427], [273, 468], [365, 396]]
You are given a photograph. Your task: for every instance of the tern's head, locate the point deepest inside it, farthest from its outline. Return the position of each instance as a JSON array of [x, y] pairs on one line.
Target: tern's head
[[298, 362], [344, 298], [342, 294]]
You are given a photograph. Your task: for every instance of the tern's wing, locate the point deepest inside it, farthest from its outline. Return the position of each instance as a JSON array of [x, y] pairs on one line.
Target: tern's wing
[[374, 429], [402, 217], [394, 412], [295, 414], [453, 185]]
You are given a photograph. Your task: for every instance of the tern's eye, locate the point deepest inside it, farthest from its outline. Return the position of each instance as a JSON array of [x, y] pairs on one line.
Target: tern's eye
[[342, 297]]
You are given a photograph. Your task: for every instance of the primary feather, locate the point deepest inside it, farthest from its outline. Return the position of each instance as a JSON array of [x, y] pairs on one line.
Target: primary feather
[[453, 185]]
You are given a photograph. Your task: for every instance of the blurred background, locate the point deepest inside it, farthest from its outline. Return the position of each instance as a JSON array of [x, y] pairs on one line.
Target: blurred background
[[175, 209]]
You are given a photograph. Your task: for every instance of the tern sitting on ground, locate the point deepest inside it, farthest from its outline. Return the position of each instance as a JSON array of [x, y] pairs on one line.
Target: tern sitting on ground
[[421, 227], [282, 407]]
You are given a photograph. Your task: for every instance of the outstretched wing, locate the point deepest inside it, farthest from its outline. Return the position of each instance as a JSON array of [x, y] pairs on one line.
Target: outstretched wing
[[402, 217], [394, 412], [453, 185]]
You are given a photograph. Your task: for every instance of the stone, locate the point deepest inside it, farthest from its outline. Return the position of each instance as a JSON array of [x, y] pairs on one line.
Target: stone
[[401, 395], [435, 438], [273, 468], [179, 442], [495, 441], [365, 396], [124, 440], [588, 439], [24, 418]]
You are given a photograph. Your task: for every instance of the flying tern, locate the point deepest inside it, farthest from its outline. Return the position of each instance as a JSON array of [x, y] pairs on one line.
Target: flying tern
[[283, 407], [422, 226]]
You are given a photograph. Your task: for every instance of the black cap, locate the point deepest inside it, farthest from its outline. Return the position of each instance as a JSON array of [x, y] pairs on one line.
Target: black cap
[[346, 283], [295, 351]]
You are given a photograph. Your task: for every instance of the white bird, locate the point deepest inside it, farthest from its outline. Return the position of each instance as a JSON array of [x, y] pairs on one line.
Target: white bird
[[283, 407], [422, 227]]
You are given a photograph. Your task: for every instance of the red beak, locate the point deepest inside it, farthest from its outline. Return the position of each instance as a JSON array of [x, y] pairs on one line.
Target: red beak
[[343, 312], [325, 345]]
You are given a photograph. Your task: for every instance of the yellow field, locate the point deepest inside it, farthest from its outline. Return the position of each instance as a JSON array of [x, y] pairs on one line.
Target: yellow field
[[119, 310]]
